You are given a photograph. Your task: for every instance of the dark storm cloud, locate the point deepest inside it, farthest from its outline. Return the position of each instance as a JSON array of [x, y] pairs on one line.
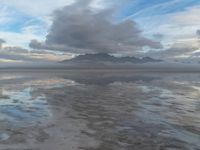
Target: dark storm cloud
[[39, 45], [81, 29]]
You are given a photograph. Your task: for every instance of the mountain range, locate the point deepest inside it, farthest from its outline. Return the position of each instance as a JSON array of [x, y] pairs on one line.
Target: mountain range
[[103, 58]]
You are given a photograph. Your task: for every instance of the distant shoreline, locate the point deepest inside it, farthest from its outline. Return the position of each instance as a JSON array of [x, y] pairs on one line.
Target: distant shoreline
[[106, 70]]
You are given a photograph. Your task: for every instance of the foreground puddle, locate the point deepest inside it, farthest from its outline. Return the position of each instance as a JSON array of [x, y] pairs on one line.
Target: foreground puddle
[[19, 108], [21, 105]]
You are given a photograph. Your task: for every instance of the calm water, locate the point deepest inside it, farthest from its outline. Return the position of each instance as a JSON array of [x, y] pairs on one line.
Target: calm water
[[93, 110]]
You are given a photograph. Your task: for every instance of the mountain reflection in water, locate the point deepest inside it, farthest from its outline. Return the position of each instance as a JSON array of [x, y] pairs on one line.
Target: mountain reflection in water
[[99, 110]]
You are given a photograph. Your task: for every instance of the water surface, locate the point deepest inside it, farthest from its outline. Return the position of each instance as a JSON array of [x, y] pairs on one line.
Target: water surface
[[99, 110]]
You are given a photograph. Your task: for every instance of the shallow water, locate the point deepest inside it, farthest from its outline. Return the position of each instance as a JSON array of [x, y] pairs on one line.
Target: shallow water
[[99, 110]]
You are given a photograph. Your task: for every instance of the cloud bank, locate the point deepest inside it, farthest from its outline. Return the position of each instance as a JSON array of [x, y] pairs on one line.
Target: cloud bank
[[79, 28], [17, 54]]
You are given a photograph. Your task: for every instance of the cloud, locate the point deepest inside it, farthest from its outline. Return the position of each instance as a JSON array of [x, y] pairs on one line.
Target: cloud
[[175, 23], [4, 15], [184, 49], [18, 39], [198, 33], [187, 17], [158, 36], [38, 45], [31, 7], [80, 29], [19, 54], [20, 21], [1, 42]]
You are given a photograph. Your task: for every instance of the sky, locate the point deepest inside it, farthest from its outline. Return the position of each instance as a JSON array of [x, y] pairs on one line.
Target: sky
[[51, 31]]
